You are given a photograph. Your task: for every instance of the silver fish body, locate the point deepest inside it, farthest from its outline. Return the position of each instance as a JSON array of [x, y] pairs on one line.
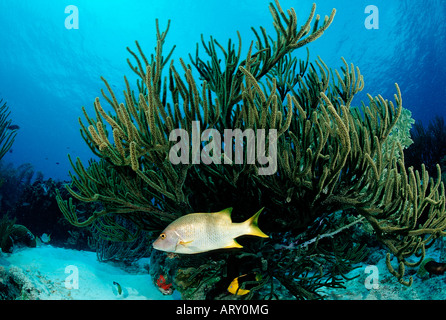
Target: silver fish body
[[201, 232]]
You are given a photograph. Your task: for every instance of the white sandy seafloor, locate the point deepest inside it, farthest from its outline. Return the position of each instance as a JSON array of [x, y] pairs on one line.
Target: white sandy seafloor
[[65, 274]]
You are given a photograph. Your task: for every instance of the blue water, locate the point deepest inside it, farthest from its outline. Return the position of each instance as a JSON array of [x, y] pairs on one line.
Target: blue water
[[48, 72]]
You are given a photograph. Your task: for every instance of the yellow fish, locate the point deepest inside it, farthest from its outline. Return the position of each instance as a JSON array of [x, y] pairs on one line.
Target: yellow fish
[[235, 285], [201, 232]]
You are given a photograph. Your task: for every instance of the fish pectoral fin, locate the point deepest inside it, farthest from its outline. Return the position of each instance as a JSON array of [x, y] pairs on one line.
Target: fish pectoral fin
[[233, 244], [184, 243]]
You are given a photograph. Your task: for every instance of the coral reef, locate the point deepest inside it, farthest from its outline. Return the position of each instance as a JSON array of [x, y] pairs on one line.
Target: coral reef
[[339, 166], [129, 251], [6, 226], [429, 147], [7, 131], [35, 206], [12, 234], [138, 162], [14, 181], [15, 285]]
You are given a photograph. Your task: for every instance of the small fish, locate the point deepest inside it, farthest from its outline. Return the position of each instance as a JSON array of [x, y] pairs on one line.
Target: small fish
[[201, 232], [13, 127], [45, 238], [118, 287], [236, 284], [434, 267], [163, 286]]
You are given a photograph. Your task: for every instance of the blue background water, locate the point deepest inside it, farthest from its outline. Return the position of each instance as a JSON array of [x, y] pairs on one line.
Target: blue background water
[[47, 72]]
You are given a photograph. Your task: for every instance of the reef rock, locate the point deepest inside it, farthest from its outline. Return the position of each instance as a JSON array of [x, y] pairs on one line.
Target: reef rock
[[15, 285]]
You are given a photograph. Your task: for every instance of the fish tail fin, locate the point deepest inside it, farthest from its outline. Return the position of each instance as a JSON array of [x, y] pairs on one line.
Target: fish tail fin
[[253, 228]]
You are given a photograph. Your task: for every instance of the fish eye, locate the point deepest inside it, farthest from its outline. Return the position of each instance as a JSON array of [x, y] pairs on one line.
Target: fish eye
[[163, 236]]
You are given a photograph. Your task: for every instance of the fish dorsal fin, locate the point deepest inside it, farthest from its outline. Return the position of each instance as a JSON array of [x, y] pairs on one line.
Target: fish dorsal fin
[[226, 212]]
